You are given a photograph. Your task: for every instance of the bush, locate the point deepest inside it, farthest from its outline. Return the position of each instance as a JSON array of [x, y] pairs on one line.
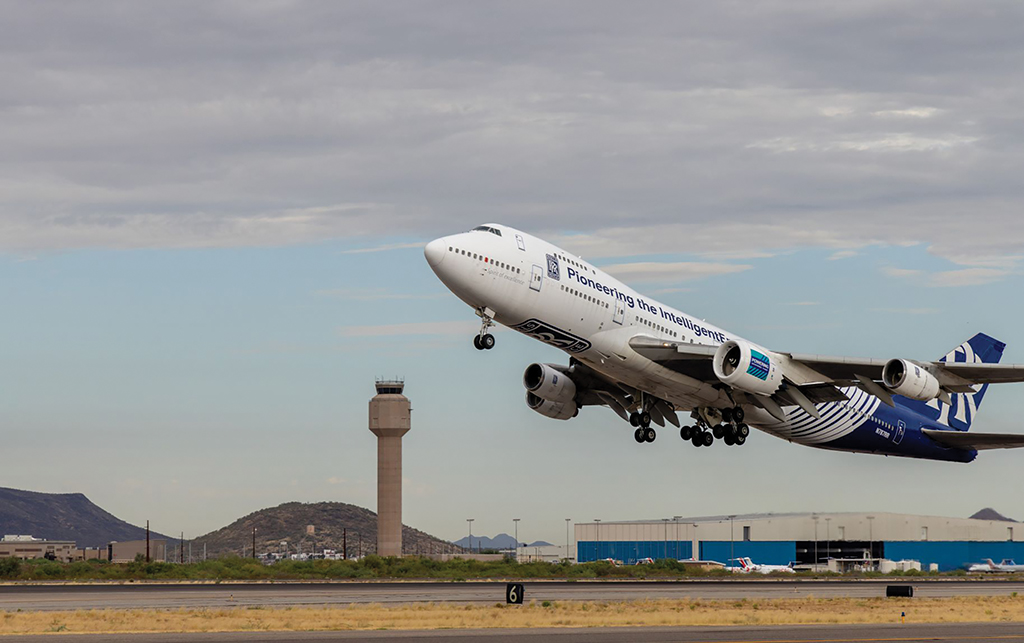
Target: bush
[[10, 568]]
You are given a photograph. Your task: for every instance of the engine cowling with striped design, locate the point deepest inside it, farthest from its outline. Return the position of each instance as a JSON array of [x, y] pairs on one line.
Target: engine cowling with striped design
[[748, 367]]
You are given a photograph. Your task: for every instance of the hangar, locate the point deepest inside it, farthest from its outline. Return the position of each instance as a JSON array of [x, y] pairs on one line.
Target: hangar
[[805, 538]]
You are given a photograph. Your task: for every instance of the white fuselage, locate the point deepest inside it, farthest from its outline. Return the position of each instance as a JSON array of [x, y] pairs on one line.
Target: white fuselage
[[532, 286]]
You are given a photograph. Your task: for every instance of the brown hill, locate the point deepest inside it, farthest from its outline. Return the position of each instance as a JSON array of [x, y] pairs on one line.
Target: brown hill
[[62, 516], [288, 523]]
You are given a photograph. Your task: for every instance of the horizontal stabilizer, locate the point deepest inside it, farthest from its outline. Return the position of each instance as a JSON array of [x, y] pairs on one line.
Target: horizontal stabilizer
[[976, 441]]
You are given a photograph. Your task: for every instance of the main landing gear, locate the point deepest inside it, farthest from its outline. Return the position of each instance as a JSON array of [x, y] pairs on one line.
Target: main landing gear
[[730, 430], [642, 422], [484, 341]]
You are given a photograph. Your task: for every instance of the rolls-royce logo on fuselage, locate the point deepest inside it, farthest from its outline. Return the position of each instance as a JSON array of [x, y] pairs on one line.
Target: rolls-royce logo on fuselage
[[554, 336], [553, 267]]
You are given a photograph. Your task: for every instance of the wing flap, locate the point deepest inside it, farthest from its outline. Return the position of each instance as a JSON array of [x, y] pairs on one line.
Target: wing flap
[[977, 441]]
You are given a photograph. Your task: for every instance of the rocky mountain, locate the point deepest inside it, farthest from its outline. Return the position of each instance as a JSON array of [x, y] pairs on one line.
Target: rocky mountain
[[501, 541], [62, 516], [989, 513], [302, 527]]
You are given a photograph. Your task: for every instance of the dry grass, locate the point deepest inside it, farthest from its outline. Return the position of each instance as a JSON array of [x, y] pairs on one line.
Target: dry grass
[[560, 614]]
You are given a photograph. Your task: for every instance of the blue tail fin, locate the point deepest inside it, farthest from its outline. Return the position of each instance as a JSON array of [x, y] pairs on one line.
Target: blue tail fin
[[980, 348]]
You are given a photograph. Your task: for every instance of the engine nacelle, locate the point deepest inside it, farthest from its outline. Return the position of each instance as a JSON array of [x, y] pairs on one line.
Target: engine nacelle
[[550, 384], [747, 367], [554, 410], [908, 379]]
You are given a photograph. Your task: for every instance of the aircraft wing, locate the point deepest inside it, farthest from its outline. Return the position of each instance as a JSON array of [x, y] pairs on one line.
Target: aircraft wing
[[978, 441]]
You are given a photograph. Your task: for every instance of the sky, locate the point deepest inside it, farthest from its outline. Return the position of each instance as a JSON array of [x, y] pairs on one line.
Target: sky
[[212, 217]]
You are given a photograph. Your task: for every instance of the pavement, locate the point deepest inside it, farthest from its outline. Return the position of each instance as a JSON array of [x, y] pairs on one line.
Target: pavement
[[947, 633], [174, 596]]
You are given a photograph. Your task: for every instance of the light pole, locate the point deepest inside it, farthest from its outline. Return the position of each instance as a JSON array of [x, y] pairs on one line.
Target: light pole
[[515, 521], [828, 540], [732, 541], [676, 520], [567, 520], [470, 521], [695, 554], [871, 537], [815, 542], [597, 555], [664, 522]]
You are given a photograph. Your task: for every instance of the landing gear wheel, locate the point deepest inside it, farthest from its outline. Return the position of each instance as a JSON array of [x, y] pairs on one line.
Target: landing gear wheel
[[645, 419], [738, 414], [650, 434], [640, 436], [697, 440], [718, 431], [740, 439], [476, 343], [742, 431], [487, 342], [727, 415], [634, 419], [729, 440], [685, 433], [708, 439]]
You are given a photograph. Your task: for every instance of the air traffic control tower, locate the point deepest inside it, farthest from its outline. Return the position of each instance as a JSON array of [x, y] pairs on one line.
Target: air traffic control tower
[[390, 419]]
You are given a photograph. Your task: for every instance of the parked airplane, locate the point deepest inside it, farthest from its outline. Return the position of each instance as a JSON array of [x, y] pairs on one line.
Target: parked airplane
[[1008, 565], [748, 566], [646, 361]]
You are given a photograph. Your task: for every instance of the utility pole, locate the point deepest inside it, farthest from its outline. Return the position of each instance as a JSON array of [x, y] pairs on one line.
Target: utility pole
[[676, 519], [470, 521], [597, 556], [871, 537], [254, 542], [147, 541], [828, 540], [815, 542], [567, 520], [664, 522], [515, 521], [181, 549], [732, 541], [344, 543]]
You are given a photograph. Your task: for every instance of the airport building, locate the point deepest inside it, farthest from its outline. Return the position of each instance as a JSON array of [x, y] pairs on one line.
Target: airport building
[[807, 539], [27, 547]]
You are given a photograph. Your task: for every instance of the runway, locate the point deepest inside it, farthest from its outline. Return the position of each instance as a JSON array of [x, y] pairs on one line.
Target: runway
[[945, 633], [172, 596]]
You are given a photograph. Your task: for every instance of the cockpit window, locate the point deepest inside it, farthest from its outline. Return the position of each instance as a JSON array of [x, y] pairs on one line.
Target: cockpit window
[[484, 228]]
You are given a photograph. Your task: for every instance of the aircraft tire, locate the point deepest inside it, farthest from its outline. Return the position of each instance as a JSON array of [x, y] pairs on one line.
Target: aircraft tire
[[718, 431], [634, 419], [726, 415], [639, 436], [708, 439], [729, 440], [487, 341], [738, 414], [476, 343], [742, 430], [650, 434], [685, 433], [740, 439], [696, 440], [645, 419]]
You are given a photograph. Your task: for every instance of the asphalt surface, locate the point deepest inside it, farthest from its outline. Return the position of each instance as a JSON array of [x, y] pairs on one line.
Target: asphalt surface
[[172, 596], [947, 633]]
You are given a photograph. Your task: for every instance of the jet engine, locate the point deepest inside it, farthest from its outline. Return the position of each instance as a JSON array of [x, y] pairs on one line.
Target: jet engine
[[910, 380], [554, 410], [549, 383], [747, 367]]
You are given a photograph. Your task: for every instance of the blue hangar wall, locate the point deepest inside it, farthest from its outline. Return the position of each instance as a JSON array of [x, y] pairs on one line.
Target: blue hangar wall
[[949, 555]]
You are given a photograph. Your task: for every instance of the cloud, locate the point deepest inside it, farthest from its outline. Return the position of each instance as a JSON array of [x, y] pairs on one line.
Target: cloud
[[949, 278], [373, 294], [649, 271], [411, 329], [908, 311], [843, 254], [384, 248]]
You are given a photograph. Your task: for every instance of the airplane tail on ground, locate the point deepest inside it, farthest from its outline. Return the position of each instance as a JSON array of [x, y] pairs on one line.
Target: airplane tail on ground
[[979, 349]]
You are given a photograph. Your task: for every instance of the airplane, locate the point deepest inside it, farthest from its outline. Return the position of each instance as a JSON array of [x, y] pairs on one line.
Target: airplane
[[1008, 565], [748, 566], [647, 361]]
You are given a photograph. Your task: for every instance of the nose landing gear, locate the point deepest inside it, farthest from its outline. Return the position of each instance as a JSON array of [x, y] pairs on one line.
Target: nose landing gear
[[484, 341]]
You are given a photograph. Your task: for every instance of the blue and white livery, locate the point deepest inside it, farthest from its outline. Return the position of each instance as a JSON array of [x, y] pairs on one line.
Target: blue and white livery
[[647, 361]]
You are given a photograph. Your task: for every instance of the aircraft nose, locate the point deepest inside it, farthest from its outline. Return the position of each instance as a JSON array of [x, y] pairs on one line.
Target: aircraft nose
[[435, 251]]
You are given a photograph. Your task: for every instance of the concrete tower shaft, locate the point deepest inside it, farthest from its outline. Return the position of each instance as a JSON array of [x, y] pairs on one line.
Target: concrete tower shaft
[[390, 419]]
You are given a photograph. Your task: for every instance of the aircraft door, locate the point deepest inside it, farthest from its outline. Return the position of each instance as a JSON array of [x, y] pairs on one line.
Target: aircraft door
[[620, 312], [536, 278]]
